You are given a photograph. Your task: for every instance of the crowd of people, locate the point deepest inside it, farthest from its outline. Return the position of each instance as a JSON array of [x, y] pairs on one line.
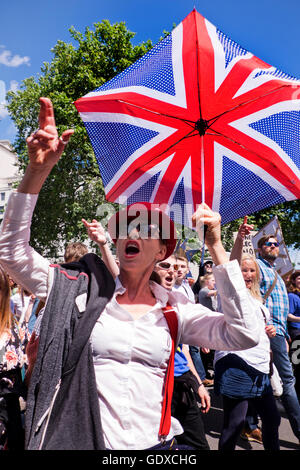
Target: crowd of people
[[121, 351]]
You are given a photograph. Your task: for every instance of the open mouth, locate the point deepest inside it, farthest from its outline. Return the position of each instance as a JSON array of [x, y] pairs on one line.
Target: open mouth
[[132, 248], [169, 278]]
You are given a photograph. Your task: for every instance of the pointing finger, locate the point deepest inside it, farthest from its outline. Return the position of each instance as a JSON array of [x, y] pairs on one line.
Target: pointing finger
[[46, 116]]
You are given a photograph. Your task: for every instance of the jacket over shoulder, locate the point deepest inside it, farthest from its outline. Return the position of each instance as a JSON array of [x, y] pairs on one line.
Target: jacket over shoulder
[[62, 393]]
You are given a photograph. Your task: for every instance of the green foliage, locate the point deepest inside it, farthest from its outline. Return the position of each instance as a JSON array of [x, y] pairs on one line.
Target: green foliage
[[74, 189], [287, 213]]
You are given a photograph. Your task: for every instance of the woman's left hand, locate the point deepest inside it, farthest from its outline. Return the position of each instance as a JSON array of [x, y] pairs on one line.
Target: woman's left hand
[[204, 216], [95, 231]]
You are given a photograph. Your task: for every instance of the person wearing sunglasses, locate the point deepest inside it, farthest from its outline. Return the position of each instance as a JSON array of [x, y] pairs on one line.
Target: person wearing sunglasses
[[104, 345], [167, 271], [274, 291], [183, 286]]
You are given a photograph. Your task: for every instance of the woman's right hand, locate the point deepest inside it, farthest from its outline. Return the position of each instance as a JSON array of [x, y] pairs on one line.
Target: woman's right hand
[[44, 146], [44, 149]]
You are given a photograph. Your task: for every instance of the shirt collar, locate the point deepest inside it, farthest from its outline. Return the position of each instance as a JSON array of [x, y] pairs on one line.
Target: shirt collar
[[160, 293], [119, 288], [267, 262]]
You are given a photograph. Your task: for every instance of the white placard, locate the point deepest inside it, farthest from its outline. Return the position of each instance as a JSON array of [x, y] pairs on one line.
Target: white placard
[[248, 248]]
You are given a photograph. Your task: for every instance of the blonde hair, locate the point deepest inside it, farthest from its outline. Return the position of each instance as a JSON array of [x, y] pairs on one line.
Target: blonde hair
[[6, 318], [180, 254], [204, 278], [255, 287]]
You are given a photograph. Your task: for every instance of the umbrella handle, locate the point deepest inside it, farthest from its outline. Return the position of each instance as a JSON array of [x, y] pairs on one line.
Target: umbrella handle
[[203, 246]]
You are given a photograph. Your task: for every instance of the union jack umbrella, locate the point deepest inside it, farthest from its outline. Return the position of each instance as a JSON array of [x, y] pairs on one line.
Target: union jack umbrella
[[197, 118]]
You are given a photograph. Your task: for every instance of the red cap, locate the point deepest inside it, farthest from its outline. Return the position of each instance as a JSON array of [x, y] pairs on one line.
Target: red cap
[[144, 212]]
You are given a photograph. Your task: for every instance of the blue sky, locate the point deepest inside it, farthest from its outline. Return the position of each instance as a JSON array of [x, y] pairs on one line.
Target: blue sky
[[267, 28]]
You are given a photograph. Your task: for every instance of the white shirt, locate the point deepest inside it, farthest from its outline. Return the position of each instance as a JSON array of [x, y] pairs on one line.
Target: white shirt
[[258, 356], [21, 303], [130, 356], [185, 288], [131, 359]]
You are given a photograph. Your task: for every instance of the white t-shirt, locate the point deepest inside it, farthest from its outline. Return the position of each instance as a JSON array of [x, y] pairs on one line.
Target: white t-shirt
[[258, 356], [185, 288], [21, 303]]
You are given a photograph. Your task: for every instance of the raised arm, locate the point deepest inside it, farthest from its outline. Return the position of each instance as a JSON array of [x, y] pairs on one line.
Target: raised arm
[[45, 148], [18, 258], [97, 234], [237, 327], [237, 249]]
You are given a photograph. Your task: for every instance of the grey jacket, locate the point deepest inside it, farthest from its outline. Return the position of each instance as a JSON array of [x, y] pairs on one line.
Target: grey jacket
[[62, 403]]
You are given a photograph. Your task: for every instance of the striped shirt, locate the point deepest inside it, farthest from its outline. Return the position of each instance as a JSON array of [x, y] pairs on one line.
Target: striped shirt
[[278, 301]]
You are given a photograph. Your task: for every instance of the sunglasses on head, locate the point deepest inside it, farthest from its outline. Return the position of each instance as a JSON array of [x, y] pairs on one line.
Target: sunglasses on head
[[165, 265], [272, 243]]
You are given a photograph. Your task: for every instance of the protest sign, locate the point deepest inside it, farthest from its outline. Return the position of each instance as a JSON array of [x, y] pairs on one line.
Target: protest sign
[[248, 248]]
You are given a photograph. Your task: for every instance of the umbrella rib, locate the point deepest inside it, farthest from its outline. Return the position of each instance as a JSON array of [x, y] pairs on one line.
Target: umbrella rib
[[243, 104], [188, 122], [173, 145], [198, 72], [235, 142]]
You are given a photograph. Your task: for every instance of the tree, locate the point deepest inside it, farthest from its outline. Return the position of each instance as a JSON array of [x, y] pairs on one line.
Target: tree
[[74, 188]]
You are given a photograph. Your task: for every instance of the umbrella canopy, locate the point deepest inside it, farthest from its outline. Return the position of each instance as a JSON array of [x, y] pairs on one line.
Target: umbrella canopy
[[197, 118]]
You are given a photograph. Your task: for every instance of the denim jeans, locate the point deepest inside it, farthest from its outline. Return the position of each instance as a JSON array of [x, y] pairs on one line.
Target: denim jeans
[[289, 397], [236, 379], [196, 358]]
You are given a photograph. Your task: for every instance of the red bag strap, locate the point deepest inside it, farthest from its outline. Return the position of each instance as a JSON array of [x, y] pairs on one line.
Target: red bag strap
[[165, 422]]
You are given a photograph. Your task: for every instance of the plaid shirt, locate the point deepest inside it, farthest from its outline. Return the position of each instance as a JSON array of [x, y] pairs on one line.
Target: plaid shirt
[[278, 301]]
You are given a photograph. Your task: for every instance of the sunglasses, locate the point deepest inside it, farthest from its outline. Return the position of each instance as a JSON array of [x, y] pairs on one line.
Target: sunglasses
[[145, 230], [167, 266], [271, 243]]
